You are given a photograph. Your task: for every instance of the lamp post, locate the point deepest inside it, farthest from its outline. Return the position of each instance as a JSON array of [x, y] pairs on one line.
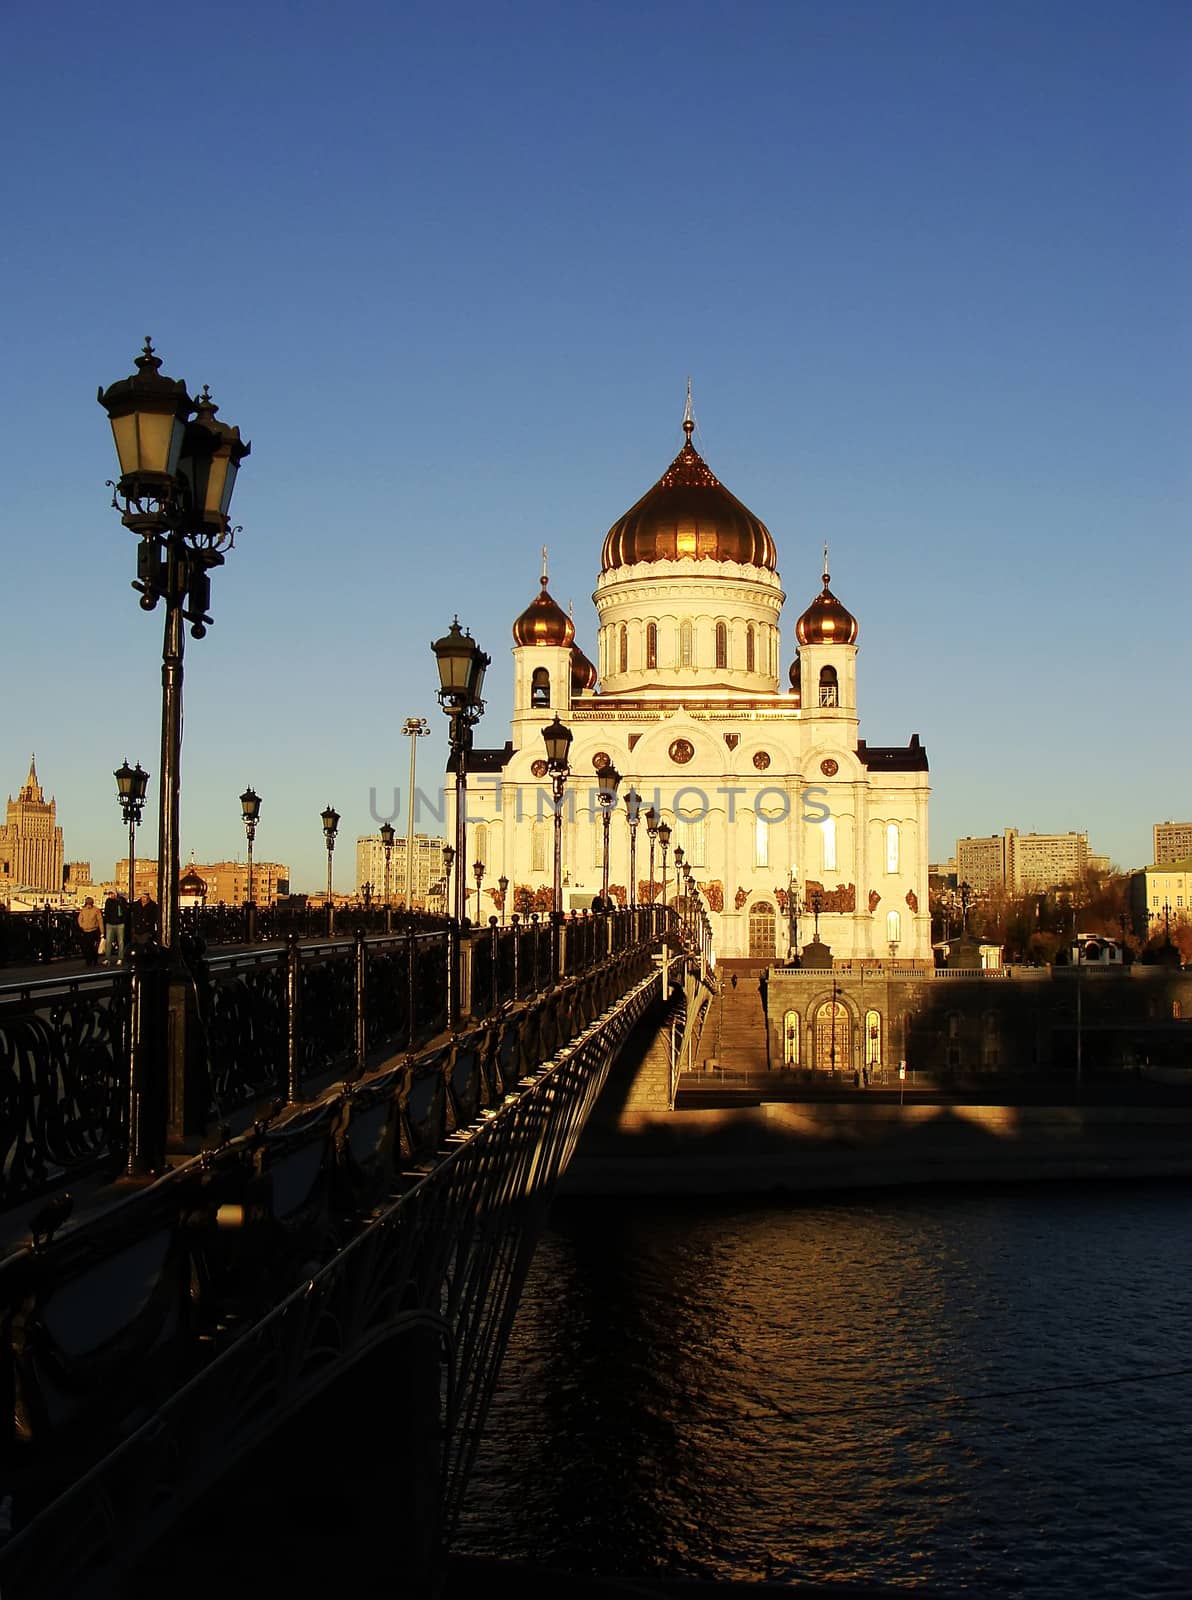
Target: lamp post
[[462, 665], [131, 783], [557, 738], [387, 837], [330, 829], [816, 902], [966, 895], [664, 836], [679, 864], [652, 830], [478, 874], [250, 807], [413, 729], [502, 888], [633, 802], [448, 863], [174, 491], [609, 779]]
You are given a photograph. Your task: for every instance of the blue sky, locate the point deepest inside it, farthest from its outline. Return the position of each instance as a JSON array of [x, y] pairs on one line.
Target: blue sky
[[449, 269]]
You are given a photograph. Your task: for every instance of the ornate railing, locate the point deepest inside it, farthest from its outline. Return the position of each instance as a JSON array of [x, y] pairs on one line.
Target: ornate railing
[[254, 1031], [146, 1349]]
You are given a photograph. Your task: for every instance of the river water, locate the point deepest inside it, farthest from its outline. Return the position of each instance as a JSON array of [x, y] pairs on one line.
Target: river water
[[980, 1392]]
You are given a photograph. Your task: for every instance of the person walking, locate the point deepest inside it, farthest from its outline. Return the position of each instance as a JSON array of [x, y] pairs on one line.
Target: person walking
[[90, 931], [115, 928], [144, 922]]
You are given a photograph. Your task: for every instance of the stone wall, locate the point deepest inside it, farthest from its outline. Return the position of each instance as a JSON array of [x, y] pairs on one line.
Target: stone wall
[[966, 1023]]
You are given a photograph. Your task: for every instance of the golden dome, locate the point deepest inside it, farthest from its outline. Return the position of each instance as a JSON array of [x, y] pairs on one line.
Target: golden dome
[[543, 621], [583, 673], [688, 512], [826, 621]]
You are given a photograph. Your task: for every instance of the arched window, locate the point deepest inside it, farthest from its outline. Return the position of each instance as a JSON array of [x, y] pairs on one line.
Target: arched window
[[538, 847], [686, 653], [893, 927], [828, 834], [651, 644], [750, 649], [761, 843], [790, 1039], [721, 645], [481, 843], [891, 847], [991, 1040], [828, 687], [624, 649], [873, 1038], [540, 687]]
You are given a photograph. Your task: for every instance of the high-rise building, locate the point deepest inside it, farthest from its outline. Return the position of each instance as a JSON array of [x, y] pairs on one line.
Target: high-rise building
[[767, 786], [428, 868], [981, 863], [1023, 863], [31, 847], [1173, 842], [1036, 862]]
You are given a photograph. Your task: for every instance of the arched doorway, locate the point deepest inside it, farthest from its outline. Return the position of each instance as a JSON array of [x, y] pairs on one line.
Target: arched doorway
[[761, 930], [833, 1038]]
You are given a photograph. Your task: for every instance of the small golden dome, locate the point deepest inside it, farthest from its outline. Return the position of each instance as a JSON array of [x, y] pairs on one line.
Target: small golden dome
[[688, 513], [583, 673], [543, 622], [826, 621]]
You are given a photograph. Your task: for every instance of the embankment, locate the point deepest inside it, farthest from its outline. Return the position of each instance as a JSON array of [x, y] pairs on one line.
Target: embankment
[[804, 1147]]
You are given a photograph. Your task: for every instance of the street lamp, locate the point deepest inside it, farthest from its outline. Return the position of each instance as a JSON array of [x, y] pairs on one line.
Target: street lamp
[[174, 492], [664, 836], [250, 806], [609, 779], [652, 830], [966, 895], [478, 874], [131, 783], [387, 837], [633, 802], [413, 729], [557, 738], [502, 886], [448, 862], [330, 829], [462, 665]]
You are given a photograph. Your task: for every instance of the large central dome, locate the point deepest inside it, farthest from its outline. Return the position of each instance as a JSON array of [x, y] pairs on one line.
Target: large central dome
[[688, 513]]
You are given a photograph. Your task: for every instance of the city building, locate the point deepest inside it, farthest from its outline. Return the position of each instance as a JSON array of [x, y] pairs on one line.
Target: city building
[[1162, 894], [1024, 863], [225, 882], [428, 867], [981, 863], [1173, 842], [768, 787], [31, 846]]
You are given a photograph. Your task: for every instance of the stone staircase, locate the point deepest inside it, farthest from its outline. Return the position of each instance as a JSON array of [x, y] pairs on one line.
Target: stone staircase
[[737, 1014]]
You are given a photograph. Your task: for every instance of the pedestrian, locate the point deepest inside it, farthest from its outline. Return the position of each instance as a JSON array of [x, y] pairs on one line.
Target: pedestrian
[[144, 922], [90, 931], [115, 927], [733, 980]]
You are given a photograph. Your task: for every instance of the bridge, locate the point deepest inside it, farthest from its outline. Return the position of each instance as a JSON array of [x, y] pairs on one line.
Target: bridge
[[229, 1183]]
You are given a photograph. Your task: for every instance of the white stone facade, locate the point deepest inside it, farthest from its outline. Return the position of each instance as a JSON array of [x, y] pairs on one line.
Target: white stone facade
[[763, 787]]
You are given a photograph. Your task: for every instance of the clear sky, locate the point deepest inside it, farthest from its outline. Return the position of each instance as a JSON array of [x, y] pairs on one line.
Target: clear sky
[[449, 268]]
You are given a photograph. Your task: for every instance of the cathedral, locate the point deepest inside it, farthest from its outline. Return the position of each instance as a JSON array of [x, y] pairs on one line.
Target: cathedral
[[794, 827], [31, 846]]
